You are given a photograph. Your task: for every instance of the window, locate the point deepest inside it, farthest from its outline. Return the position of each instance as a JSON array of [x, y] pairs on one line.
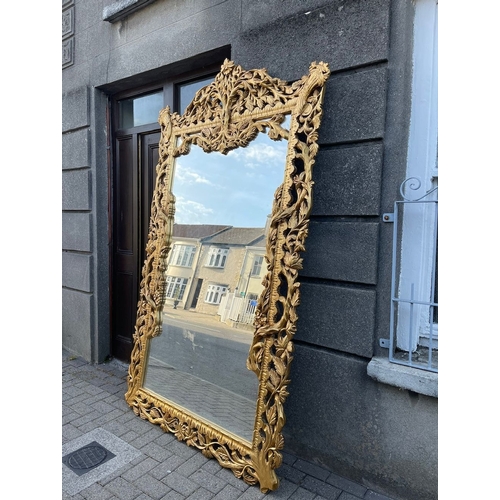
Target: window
[[214, 293], [182, 255], [187, 91], [257, 265], [217, 257], [137, 111], [414, 328], [175, 287]]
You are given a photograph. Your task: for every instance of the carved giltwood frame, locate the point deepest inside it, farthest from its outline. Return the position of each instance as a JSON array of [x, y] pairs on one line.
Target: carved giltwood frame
[[227, 114]]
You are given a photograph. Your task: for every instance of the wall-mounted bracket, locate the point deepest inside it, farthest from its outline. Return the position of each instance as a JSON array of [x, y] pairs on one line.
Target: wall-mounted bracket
[[385, 343], [389, 217]]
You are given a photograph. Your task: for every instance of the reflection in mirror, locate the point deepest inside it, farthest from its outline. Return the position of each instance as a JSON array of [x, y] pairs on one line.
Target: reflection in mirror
[[213, 281], [211, 218]]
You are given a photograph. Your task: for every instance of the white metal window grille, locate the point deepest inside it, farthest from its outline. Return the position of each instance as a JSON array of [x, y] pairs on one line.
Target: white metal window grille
[[183, 255], [257, 265], [413, 319], [175, 287], [217, 257], [413, 326], [215, 293]]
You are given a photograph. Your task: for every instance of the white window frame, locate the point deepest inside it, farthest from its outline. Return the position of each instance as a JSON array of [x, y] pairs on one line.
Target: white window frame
[[214, 293], [419, 219], [217, 257], [182, 253], [173, 283], [258, 260]]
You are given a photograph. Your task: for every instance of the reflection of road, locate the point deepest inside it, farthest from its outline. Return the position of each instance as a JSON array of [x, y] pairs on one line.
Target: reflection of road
[[208, 351], [214, 329], [201, 364], [209, 323]]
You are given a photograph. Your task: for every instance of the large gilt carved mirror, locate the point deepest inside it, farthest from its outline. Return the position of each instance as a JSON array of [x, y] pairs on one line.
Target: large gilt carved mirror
[[217, 312]]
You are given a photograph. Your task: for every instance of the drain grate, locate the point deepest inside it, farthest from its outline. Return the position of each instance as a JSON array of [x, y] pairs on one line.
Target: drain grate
[[87, 458]]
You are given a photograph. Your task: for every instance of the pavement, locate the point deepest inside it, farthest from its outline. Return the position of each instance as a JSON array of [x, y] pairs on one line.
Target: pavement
[[141, 462]]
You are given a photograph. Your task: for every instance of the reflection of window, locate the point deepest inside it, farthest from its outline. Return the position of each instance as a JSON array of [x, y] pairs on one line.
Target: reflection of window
[[217, 257], [214, 293], [257, 265], [182, 255], [175, 287]]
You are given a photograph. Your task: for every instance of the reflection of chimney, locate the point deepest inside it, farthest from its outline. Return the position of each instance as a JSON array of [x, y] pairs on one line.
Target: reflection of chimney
[[268, 223]]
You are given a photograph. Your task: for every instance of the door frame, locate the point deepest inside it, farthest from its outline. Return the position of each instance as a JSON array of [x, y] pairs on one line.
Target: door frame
[[170, 98]]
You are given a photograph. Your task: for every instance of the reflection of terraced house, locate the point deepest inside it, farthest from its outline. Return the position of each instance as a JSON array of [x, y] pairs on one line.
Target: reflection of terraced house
[[238, 306], [219, 270], [183, 260]]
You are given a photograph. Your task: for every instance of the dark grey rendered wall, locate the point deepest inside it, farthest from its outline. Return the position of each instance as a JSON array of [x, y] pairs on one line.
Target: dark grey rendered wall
[[337, 416]]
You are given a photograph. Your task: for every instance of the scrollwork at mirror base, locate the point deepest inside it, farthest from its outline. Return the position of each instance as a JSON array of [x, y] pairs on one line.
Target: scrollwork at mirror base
[[227, 114]]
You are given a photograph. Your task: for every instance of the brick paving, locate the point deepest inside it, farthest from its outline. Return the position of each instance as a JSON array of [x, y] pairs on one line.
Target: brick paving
[[153, 465], [213, 403]]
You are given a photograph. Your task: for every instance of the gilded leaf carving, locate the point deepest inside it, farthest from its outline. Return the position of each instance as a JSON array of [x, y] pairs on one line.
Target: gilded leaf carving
[[225, 115]]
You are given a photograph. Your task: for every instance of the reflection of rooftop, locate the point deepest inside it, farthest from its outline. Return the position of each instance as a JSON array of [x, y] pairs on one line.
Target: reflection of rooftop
[[220, 234], [239, 236], [197, 230]]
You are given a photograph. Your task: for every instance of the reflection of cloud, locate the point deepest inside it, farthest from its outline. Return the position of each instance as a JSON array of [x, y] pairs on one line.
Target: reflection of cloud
[[190, 212], [185, 175], [261, 153]]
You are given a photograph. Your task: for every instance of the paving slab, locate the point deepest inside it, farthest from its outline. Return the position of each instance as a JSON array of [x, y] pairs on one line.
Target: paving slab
[[149, 464]]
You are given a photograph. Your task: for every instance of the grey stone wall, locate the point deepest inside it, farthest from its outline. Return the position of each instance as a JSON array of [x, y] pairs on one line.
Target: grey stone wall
[[337, 416], [76, 222]]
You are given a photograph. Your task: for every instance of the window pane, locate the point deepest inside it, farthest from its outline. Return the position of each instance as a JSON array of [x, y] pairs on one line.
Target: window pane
[[140, 110], [191, 257], [187, 91]]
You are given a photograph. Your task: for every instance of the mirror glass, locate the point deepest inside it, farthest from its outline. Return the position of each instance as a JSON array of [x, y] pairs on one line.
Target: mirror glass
[[217, 313], [213, 280]]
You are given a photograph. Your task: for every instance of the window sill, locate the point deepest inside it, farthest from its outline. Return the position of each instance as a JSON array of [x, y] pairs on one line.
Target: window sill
[[404, 377], [120, 9]]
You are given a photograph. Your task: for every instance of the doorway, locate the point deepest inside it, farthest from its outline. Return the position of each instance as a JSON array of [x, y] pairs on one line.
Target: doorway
[[196, 295], [136, 134]]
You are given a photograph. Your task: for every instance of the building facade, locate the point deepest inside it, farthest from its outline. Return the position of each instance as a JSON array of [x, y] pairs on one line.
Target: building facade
[[354, 407], [182, 282]]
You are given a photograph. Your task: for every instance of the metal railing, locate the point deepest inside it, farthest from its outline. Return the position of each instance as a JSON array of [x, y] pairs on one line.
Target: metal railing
[[239, 310], [413, 337]]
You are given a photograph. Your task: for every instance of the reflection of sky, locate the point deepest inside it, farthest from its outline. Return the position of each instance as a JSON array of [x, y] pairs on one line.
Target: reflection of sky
[[235, 189]]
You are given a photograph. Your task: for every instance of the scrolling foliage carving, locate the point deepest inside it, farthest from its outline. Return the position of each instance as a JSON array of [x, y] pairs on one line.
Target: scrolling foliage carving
[[227, 114]]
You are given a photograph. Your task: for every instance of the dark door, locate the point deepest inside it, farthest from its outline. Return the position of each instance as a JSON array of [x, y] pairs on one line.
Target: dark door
[[135, 140], [149, 160], [125, 245], [194, 302], [136, 155]]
